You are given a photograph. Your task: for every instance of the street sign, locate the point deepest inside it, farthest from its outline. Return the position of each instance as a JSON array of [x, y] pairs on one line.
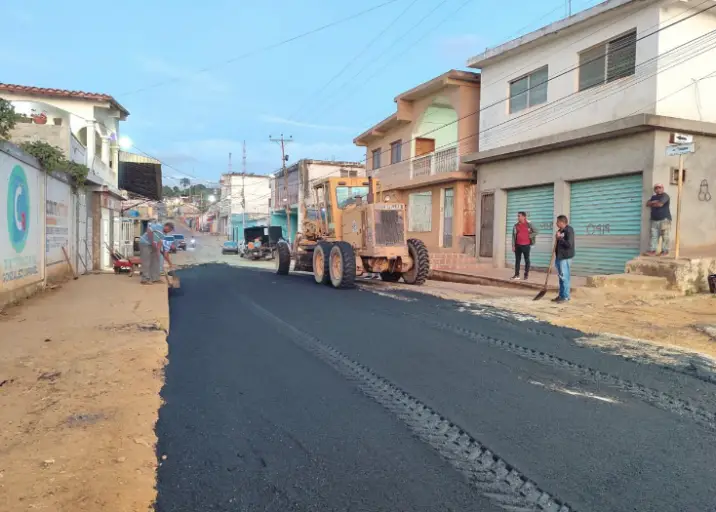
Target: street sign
[[681, 138], [680, 149]]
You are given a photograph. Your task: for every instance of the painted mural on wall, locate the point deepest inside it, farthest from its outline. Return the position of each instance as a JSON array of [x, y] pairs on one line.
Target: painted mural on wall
[[57, 221], [20, 223]]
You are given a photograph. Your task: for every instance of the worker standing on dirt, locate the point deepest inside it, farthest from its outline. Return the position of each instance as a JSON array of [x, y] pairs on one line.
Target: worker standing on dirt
[[660, 220], [524, 236], [564, 252], [150, 250]]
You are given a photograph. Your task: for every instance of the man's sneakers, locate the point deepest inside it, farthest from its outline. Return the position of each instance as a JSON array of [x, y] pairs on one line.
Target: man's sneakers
[[516, 277], [560, 300]]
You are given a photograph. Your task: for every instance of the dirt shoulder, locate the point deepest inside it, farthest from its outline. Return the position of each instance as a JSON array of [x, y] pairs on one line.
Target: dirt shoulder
[[80, 374]]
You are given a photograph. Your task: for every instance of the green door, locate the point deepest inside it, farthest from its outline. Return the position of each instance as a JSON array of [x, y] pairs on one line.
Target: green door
[[606, 218], [538, 203]]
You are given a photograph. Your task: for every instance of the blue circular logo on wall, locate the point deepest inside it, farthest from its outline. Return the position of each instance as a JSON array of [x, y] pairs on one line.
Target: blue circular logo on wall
[[18, 208]]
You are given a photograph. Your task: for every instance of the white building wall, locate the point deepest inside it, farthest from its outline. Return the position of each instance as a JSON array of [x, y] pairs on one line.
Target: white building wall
[[566, 108], [256, 191], [683, 91]]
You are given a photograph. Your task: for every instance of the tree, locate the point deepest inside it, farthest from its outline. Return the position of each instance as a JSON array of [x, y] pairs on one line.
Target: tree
[[185, 182], [8, 118]]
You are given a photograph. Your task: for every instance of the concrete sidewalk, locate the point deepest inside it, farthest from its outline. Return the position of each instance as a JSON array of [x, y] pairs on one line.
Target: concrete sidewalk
[[484, 274]]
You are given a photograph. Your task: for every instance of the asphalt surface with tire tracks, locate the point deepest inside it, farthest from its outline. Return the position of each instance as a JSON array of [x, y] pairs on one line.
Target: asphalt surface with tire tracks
[[284, 395]]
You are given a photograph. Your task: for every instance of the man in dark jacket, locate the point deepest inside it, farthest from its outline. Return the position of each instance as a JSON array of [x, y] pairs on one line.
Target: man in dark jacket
[[564, 252], [660, 220], [523, 238]]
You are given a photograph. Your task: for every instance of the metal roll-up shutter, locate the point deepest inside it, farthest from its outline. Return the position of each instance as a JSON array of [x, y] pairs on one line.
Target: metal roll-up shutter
[[606, 218], [538, 203]]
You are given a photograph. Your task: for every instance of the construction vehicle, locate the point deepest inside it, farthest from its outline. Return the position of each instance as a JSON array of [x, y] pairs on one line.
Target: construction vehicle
[[347, 234]]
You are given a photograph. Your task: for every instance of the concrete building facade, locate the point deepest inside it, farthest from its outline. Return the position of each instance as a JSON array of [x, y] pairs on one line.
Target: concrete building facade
[[575, 119], [415, 155]]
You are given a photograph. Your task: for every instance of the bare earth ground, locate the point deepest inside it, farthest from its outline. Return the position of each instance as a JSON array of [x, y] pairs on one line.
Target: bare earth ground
[[80, 375], [660, 327]]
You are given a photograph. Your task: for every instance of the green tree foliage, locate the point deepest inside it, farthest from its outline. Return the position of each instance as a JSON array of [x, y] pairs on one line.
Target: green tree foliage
[[8, 119], [52, 158]]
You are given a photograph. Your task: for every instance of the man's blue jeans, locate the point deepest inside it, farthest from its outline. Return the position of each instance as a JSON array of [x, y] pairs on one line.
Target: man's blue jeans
[[563, 271]]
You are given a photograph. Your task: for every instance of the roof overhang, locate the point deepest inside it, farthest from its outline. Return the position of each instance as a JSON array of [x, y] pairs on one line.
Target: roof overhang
[[552, 31], [405, 99]]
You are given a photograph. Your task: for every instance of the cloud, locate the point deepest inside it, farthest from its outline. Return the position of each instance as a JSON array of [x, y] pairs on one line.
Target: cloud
[[282, 120], [463, 46], [204, 81]]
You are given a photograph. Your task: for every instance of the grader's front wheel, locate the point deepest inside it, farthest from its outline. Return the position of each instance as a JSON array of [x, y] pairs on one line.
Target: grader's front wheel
[[343, 265], [421, 263]]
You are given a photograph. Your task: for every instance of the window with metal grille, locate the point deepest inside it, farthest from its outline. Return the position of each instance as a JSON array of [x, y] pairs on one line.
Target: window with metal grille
[[396, 150], [608, 61], [420, 212], [346, 173], [528, 91], [376, 158]]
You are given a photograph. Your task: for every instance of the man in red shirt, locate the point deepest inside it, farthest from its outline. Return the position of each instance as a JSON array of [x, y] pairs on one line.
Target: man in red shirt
[[524, 236]]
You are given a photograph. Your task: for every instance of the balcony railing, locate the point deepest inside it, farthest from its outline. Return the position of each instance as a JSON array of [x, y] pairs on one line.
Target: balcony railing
[[104, 171], [445, 160]]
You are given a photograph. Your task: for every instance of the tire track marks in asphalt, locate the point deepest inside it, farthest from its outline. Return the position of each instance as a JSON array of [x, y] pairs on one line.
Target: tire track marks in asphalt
[[651, 396], [495, 478]]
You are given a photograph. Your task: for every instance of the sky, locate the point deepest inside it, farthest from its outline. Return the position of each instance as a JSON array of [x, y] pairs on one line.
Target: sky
[[199, 78]]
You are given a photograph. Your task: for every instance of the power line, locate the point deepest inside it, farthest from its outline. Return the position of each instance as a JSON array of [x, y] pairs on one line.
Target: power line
[[265, 48], [356, 57]]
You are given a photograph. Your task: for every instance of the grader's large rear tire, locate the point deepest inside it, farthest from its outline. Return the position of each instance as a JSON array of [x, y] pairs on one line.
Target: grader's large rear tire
[[343, 265], [321, 256], [283, 260], [421, 263]]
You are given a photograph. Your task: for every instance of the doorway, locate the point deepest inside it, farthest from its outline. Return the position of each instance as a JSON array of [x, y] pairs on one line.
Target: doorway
[[448, 209], [424, 146], [487, 223]]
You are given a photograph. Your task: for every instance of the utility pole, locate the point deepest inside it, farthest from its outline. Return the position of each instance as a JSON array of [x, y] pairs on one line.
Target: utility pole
[[231, 193], [243, 186], [283, 141], [569, 8]]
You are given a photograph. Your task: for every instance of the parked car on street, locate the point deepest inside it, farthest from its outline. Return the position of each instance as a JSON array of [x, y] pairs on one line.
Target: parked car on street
[[181, 242], [230, 247], [170, 244]]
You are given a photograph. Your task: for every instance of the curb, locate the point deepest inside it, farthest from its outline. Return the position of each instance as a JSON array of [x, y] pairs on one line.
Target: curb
[[455, 277]]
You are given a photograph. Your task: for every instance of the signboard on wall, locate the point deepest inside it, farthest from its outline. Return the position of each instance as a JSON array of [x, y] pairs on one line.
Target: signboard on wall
[[20, 224], [57, 221]]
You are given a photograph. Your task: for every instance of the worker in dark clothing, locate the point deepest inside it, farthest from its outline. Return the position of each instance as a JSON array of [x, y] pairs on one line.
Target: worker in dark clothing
[[660, 220], [564, 252], [524, 236]]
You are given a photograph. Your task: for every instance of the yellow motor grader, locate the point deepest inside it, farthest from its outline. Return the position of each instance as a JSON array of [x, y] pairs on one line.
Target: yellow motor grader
[[346, 234]]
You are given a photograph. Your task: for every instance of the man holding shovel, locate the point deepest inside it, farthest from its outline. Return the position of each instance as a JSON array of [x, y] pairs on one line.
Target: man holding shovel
[[564, 252], [150, 250]]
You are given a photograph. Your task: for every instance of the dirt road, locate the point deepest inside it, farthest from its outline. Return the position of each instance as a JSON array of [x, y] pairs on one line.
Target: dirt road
[[80, 374]]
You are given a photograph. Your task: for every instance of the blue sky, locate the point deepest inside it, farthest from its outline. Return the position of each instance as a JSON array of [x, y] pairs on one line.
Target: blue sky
[[194, 119]]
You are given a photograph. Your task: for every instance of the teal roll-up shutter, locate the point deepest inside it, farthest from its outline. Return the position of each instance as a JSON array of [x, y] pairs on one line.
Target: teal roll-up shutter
[[538, 203], [606, 218]]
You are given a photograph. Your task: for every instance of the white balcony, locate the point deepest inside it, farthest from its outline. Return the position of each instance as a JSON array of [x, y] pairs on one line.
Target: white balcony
[[445, 160], [437, 167], [104, 171]]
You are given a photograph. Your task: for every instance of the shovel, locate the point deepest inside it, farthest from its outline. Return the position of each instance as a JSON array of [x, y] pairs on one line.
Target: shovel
[[543, 291]]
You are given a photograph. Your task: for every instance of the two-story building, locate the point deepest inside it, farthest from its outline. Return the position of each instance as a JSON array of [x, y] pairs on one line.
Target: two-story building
[[415, 155], [575, 118], [294, 187], [85, 126], [244, 197]]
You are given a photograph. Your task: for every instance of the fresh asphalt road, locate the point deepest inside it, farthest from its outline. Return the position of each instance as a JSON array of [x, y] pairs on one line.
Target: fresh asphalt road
[[269, 406]]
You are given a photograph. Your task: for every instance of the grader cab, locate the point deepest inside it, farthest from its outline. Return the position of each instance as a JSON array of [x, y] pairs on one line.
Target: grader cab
[[345, 234]]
